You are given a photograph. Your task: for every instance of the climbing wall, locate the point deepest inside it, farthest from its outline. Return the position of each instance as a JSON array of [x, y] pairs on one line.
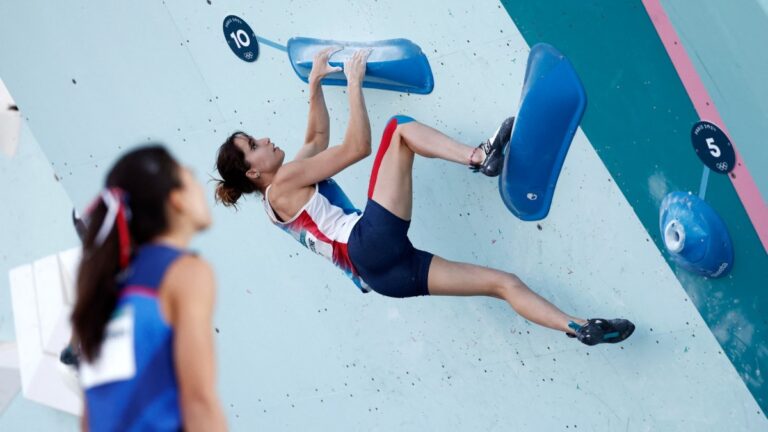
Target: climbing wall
[[298, 346], [659, 74]]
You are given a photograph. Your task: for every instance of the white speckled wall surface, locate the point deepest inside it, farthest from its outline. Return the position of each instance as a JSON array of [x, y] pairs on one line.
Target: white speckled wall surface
[[299, 348]]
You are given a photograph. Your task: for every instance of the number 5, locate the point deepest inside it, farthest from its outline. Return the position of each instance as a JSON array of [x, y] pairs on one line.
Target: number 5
[[714, 150]]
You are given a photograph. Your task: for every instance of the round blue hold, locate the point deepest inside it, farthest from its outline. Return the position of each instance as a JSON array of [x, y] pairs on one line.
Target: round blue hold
[[694, 235]]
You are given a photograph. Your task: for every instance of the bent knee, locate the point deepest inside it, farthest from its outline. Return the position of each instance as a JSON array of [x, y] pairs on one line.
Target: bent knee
[[506, 283], [396, 123], [393, 131], [400, 119]]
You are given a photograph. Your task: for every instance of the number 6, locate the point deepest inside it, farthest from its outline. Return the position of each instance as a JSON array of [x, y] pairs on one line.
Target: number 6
[[714, 150]]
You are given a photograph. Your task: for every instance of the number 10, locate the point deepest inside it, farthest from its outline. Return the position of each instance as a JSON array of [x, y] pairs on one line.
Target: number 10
[[241, 38]]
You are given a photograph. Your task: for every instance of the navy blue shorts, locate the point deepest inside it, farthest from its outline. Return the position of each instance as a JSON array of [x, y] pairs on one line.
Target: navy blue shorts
[[384, 256]]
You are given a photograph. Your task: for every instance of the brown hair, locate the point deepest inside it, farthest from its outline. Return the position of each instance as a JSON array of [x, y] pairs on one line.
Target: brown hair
[[147, 176], [232, 166]]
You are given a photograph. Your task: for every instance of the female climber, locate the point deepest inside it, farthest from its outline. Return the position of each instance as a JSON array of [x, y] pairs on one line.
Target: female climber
[[372, 247], [142, 317]]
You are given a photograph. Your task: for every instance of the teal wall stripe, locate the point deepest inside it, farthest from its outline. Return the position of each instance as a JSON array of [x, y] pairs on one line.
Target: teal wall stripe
[[639, 119]]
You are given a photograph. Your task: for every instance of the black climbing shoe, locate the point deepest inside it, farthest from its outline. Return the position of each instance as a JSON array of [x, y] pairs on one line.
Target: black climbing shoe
[[69, 357], [598, 330], [494, 150]]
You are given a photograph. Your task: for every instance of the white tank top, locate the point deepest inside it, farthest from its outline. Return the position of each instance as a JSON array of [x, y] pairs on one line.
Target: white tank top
[[323, 226]]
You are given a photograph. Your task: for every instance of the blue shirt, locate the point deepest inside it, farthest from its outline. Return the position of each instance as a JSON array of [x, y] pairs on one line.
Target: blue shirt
[[132, 385]]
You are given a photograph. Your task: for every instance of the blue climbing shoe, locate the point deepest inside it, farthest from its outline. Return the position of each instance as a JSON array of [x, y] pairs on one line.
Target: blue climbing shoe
[[598, 330], [494, 150]]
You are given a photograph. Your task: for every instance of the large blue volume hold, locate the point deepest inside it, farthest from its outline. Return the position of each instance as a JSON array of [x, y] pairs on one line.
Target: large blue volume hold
[[394, 64], [694, 235], [552, 104]]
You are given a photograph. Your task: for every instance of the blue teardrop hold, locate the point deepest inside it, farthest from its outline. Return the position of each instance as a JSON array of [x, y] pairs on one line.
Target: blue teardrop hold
[[694, 235]]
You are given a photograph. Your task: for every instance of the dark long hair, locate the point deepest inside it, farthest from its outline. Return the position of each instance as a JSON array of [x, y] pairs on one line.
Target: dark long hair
[[146, 176], [232, 166]]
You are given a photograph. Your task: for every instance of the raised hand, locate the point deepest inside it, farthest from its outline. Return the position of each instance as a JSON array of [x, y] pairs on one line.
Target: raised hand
[[354, 67], [320, 65]]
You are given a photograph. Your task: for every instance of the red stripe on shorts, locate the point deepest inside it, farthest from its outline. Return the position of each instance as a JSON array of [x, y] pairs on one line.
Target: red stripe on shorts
[[386, 139]]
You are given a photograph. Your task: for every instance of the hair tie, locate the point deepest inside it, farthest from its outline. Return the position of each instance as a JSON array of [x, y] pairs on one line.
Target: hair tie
[[117, 212]]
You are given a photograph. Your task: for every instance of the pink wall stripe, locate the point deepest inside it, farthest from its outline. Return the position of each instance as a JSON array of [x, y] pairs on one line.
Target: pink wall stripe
[[741, 178]]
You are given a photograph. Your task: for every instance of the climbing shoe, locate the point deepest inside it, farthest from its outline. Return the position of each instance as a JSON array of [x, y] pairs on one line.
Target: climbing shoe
[[494, 150], [69, 357], [598, 330]]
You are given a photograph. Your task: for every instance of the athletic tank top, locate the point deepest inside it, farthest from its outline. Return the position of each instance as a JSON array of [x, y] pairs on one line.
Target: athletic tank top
[[323, 226], [132, 385]]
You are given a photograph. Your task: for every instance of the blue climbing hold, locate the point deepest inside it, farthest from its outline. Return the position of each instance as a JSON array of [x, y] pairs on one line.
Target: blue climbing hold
[[552, 104], [694, 235], [394, 64]]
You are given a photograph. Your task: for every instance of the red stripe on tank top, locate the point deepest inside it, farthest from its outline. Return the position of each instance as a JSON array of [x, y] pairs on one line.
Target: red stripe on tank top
[[341, 257], [305, 221], [339, 249]]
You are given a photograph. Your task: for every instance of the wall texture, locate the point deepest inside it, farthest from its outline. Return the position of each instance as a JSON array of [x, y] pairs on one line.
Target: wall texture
[[299, 348]]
